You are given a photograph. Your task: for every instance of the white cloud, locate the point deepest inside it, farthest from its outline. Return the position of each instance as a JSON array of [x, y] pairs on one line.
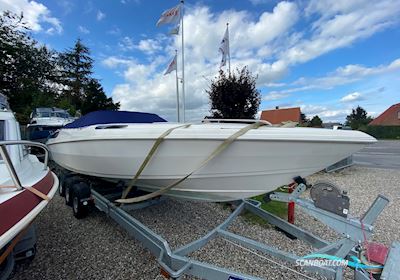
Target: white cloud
[[137, 2], [259, 2], [66, 5], [269, 45], [351, 97], [325, 113], [274, 85], [126, 44], [361, 71], [114, 31], [312, 109], [114, 62], [83, 29], [275, 96], [149, 46], [340, 24], [351, 73], [36, 15], [100, 15], [147, 89], [341, 76], [88, 7]]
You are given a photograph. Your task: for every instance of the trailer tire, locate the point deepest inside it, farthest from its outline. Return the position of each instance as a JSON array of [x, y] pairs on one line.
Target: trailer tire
[[69, 182], [80, 191], [7, 267], [61, 186]]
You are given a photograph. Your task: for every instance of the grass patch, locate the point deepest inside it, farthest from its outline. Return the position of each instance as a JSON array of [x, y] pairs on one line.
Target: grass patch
[[274, 207]]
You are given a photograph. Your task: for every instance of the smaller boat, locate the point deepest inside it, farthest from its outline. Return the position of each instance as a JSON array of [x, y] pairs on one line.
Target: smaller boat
[[45, 121], [26, 185]]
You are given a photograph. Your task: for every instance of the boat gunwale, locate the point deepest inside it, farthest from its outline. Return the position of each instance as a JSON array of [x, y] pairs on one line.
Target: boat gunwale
[[54, 142]]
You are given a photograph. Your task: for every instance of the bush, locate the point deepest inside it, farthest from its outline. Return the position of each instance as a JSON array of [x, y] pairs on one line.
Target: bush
[[234, 96], [383, 132]]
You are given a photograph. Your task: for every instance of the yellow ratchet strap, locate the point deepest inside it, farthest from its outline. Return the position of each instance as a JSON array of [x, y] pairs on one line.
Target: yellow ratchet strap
[[216, 152]]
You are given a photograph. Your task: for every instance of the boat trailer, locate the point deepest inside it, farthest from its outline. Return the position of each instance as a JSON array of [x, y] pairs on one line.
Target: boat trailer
[[79, 192]]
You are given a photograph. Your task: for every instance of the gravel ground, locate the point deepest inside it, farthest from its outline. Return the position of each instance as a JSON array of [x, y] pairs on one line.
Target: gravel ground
[[97, 248]]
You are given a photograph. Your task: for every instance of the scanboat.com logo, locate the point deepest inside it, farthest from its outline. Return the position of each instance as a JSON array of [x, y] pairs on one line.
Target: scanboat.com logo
[[329, 260]]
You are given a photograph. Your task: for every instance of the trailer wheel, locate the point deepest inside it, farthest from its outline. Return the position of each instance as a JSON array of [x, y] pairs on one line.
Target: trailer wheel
[[80, 194], [7, 267], [61, 186], [69, 182]]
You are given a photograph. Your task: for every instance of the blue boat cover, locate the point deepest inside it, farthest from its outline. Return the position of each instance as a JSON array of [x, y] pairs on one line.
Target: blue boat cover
[[109, 117]]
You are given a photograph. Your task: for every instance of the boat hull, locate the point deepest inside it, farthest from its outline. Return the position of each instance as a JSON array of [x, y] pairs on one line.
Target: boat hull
[[248, 167], [24, 206], [19, 206]]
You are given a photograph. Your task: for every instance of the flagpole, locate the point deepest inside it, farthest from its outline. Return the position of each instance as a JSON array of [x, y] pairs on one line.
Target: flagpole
[[177, 89], [229, 50], [183, 66]]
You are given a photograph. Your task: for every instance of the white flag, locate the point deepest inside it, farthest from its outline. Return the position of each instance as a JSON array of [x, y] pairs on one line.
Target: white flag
[[224, 47], [170, 16], [171, 66], [175, 30]]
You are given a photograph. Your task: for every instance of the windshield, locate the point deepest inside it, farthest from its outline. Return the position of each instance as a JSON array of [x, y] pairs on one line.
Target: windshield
[[61, 115], [64, 115], [41, 115], [3, 102]]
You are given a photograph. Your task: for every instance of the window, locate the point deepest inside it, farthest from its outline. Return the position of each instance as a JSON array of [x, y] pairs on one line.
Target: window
[[398, 115]]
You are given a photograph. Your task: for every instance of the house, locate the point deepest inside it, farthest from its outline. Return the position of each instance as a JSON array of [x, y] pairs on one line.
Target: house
[[391, 117], [277, 116]]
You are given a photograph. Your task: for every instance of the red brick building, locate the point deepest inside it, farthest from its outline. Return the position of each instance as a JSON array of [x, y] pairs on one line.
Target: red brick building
[[278, 116], [391, 117]]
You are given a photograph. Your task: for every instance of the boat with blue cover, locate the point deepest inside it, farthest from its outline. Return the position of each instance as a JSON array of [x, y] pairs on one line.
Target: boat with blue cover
[[216, 160]]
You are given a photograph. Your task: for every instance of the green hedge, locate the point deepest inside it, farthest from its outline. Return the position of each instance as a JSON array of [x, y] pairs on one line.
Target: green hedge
[[383, 132]]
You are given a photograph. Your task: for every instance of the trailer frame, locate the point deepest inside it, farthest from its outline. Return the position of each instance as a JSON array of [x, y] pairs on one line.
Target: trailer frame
[[176, 263]]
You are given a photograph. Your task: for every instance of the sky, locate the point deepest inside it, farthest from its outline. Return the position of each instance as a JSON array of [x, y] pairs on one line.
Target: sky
[[325, 56]]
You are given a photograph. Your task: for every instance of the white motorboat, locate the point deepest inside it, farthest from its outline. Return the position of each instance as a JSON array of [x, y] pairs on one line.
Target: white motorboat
[[45, 121], [113, 147], [26, 184]]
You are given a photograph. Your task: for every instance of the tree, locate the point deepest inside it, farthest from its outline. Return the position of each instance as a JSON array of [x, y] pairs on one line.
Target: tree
[[358, 118], [26, 69], [304, 121], [32, 75], [76, 65], [316, 121], [234, 96], [96, 99]]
